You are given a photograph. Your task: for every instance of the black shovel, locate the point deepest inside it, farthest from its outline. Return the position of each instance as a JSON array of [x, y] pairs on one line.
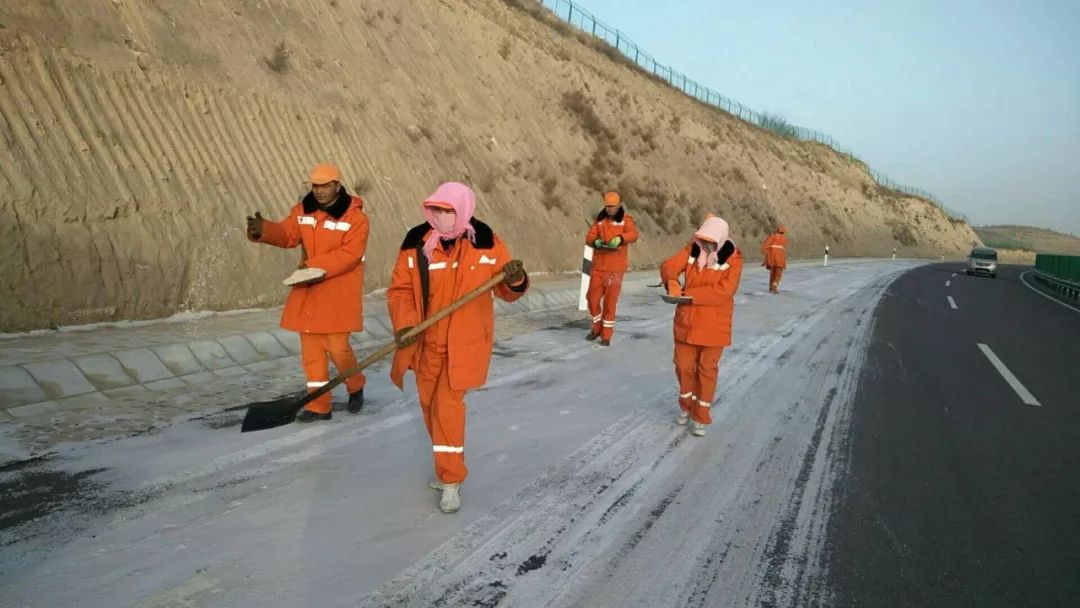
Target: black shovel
[[270, 414]]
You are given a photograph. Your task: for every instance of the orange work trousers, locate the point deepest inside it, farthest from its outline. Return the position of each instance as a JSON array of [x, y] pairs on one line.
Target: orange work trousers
[[696, 368], [316, 352], [775, 272], [603, 285], [444, 414]]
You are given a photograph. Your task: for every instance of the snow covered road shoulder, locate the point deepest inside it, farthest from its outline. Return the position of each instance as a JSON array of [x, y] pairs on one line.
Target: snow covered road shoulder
[[582, 489]]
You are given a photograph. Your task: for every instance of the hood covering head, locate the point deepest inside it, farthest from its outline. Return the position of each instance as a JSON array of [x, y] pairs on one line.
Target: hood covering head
[[459, 198], [781, 229], [713, 230]]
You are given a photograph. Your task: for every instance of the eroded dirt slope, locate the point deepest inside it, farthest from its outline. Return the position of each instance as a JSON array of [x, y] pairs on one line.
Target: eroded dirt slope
[[137, 135]]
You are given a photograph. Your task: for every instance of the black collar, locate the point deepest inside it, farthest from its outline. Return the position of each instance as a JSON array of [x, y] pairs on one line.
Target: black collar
[[485, 237], [618, 217], [335, 210], [721, 257]]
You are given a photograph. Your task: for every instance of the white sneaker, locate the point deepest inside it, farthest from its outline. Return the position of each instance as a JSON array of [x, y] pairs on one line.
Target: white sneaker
[[697, 430], [450, 501], [683, 418], [435, 485]]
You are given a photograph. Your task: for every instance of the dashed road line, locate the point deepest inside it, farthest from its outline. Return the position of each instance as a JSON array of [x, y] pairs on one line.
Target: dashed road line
[[952, 303]]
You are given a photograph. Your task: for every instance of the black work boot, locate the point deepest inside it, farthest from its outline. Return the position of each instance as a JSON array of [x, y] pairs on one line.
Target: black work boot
[[592, 336], [605, 342], [306, 415], [356, 401]]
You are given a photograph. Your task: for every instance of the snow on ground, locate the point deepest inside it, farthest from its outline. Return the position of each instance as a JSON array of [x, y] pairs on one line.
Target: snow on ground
[[582, 492]]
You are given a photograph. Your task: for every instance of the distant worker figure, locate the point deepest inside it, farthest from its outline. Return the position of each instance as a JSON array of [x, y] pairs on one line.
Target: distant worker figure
[[441, 260], [775, 251], [711, 267], [610, 234], [325, 303]]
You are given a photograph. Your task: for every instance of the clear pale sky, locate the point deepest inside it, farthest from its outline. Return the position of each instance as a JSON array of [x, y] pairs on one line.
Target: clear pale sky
[[975, 102]]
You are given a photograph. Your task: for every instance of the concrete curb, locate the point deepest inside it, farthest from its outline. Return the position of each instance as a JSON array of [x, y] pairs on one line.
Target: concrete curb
[[58, 371], [61, 380]]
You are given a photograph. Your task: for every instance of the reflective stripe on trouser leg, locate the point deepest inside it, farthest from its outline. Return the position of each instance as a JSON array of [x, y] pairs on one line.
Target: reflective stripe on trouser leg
[[687, 401], [775, 272], [592, 296], [341, 353], [612, 288], [444, 414], [686, 373], [708, 368], [317, 369]]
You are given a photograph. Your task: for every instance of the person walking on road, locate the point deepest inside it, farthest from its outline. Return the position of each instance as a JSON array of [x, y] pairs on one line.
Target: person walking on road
[[440, 260], [774, 249], [710, 266], [325, 303], [610, 235]]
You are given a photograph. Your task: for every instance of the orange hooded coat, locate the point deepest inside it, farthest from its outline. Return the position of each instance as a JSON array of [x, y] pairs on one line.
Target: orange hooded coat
[[606, 228], [775, 250], [706, 321], [334, 239], [471, 332]]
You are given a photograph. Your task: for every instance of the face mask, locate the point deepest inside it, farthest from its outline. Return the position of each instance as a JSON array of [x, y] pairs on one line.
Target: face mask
[[444, 222]]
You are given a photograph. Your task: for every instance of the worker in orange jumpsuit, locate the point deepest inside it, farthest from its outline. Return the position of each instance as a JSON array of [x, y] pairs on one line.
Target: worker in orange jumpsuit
[[774, 249], [711, 267], [332, 227], [610, 234], [440, 261]]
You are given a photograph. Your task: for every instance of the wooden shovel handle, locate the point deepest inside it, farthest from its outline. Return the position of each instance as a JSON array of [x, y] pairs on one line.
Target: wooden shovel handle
[[415, 331]]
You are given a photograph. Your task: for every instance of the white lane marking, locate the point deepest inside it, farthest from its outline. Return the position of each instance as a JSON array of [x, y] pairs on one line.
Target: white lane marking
[[948, 283], [1052, 299], [952, 303], [954, 274], [1024, 394]]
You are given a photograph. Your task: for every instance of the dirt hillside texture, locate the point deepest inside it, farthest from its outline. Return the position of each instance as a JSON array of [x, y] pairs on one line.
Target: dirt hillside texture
[[1039, 240], [136, 135]]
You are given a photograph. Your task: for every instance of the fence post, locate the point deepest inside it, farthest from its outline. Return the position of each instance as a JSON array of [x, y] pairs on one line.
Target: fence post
[[894, 253], [637, 54], [593, 24], [570, 13], [617, 39], [826, 262]]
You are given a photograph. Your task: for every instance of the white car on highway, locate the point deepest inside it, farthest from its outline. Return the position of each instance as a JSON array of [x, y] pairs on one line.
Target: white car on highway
[[983, 260]]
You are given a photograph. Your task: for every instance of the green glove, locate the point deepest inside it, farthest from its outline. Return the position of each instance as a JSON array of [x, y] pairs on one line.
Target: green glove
[[615, 242], [598, 243]]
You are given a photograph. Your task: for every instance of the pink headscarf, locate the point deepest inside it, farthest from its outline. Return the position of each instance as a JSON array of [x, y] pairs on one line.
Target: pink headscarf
[[715, 230], [463, 201]]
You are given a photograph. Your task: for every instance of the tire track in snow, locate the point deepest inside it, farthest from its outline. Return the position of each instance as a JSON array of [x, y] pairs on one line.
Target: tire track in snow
[[573, 537]]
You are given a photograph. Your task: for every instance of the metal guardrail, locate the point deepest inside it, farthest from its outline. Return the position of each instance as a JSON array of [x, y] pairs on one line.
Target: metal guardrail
[[1063, 287], [575, 15]]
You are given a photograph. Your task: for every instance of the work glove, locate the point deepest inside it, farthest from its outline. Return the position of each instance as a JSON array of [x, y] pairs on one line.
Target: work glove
[[401, 340], [615, 242], [673, 288], [515, 272], [598, 243], [254, 226]]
